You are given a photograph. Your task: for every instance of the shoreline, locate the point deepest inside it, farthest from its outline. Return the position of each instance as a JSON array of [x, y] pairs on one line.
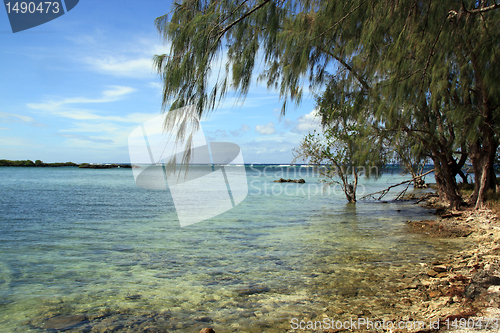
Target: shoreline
[[461, 292]]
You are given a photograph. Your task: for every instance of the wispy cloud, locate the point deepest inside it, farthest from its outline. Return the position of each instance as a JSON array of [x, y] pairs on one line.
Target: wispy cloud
[[17, 118], [103, 127], [132, 59], [240, 131], [122, 67], [266, 129], [111, 95], [4, 129], [67, 107], [15, 141], [216, 135], [85, 138]]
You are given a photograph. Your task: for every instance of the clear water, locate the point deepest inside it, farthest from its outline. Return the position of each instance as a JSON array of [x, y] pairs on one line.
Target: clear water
[[90, 242]]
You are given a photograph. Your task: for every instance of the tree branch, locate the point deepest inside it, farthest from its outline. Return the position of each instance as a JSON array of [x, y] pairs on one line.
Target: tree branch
[[384, 192], [244, 16]]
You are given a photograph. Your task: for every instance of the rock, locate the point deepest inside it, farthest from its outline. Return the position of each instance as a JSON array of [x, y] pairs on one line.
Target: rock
[[282, 180], [132, 297], [252, 290], [440, 268], [480, 282], [258, 314], [204, 319], [64, 322], [207, 330], [432, 273]]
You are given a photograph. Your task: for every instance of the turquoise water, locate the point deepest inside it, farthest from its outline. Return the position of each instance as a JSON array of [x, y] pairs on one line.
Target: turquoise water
[[90, 243]]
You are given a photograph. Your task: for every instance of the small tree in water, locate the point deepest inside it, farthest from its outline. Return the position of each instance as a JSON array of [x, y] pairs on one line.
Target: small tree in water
[[342, 154]]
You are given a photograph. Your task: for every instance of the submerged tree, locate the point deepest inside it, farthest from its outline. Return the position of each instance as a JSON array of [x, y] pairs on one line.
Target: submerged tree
[[335, 153], [425, 70]]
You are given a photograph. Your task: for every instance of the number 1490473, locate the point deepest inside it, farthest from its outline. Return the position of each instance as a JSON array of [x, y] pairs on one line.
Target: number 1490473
[[32, 7]]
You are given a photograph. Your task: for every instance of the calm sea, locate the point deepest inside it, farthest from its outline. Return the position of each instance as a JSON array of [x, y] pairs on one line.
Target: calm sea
[[86, 250]]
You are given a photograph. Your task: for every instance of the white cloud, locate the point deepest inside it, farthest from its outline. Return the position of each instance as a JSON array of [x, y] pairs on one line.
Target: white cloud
[[63, 107], [266, 129], [132, 59], [156, 85], [308, 123], [122, 67], [4, 129]]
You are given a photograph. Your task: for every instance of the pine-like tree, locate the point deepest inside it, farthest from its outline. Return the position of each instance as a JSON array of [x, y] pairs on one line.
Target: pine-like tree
[[423, 69]]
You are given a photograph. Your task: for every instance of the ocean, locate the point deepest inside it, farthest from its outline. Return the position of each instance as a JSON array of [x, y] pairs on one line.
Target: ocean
[[85, 250]]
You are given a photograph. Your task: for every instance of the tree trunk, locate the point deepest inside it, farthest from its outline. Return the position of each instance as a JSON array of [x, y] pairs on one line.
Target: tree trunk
[[445, 179], [350, 189], [483, 154], [487, 177]]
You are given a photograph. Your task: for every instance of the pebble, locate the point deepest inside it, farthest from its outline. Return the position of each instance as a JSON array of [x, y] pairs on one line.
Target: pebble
[[207, 330]]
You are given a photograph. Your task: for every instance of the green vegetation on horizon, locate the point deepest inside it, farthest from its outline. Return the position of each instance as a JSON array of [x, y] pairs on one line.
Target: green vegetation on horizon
[[38, 163]]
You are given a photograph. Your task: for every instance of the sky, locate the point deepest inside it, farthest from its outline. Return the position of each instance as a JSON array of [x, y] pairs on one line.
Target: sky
[[73, 89]]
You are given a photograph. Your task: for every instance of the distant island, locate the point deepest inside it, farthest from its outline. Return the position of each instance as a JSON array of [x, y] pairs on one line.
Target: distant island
[[38, 163]]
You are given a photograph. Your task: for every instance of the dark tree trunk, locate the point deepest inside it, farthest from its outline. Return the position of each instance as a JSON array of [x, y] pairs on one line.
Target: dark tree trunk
[[445, 179], [484, 173]]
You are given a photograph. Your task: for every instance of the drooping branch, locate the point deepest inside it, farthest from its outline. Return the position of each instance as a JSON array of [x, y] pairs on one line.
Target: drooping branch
[[238, 20]]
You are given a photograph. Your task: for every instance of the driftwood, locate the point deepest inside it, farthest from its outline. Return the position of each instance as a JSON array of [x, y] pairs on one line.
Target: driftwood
[[385, 191], [425, 197]]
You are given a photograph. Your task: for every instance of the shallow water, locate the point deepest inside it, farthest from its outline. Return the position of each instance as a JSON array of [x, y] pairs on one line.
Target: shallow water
[[91, 243]]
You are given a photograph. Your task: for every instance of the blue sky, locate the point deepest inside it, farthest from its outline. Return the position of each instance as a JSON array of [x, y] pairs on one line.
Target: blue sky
[[73, 89]]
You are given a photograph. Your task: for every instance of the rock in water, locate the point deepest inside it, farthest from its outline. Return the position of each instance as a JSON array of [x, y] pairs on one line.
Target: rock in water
[[64, 322], [207, 330], [252, 290], [298, 181]]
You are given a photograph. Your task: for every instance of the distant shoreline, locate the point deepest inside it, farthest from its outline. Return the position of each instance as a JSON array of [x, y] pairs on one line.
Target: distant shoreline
[[40, 164]]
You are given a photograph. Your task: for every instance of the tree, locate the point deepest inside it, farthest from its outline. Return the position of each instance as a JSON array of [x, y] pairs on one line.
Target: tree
[[332, 157], [426, 70], [335, 153]]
